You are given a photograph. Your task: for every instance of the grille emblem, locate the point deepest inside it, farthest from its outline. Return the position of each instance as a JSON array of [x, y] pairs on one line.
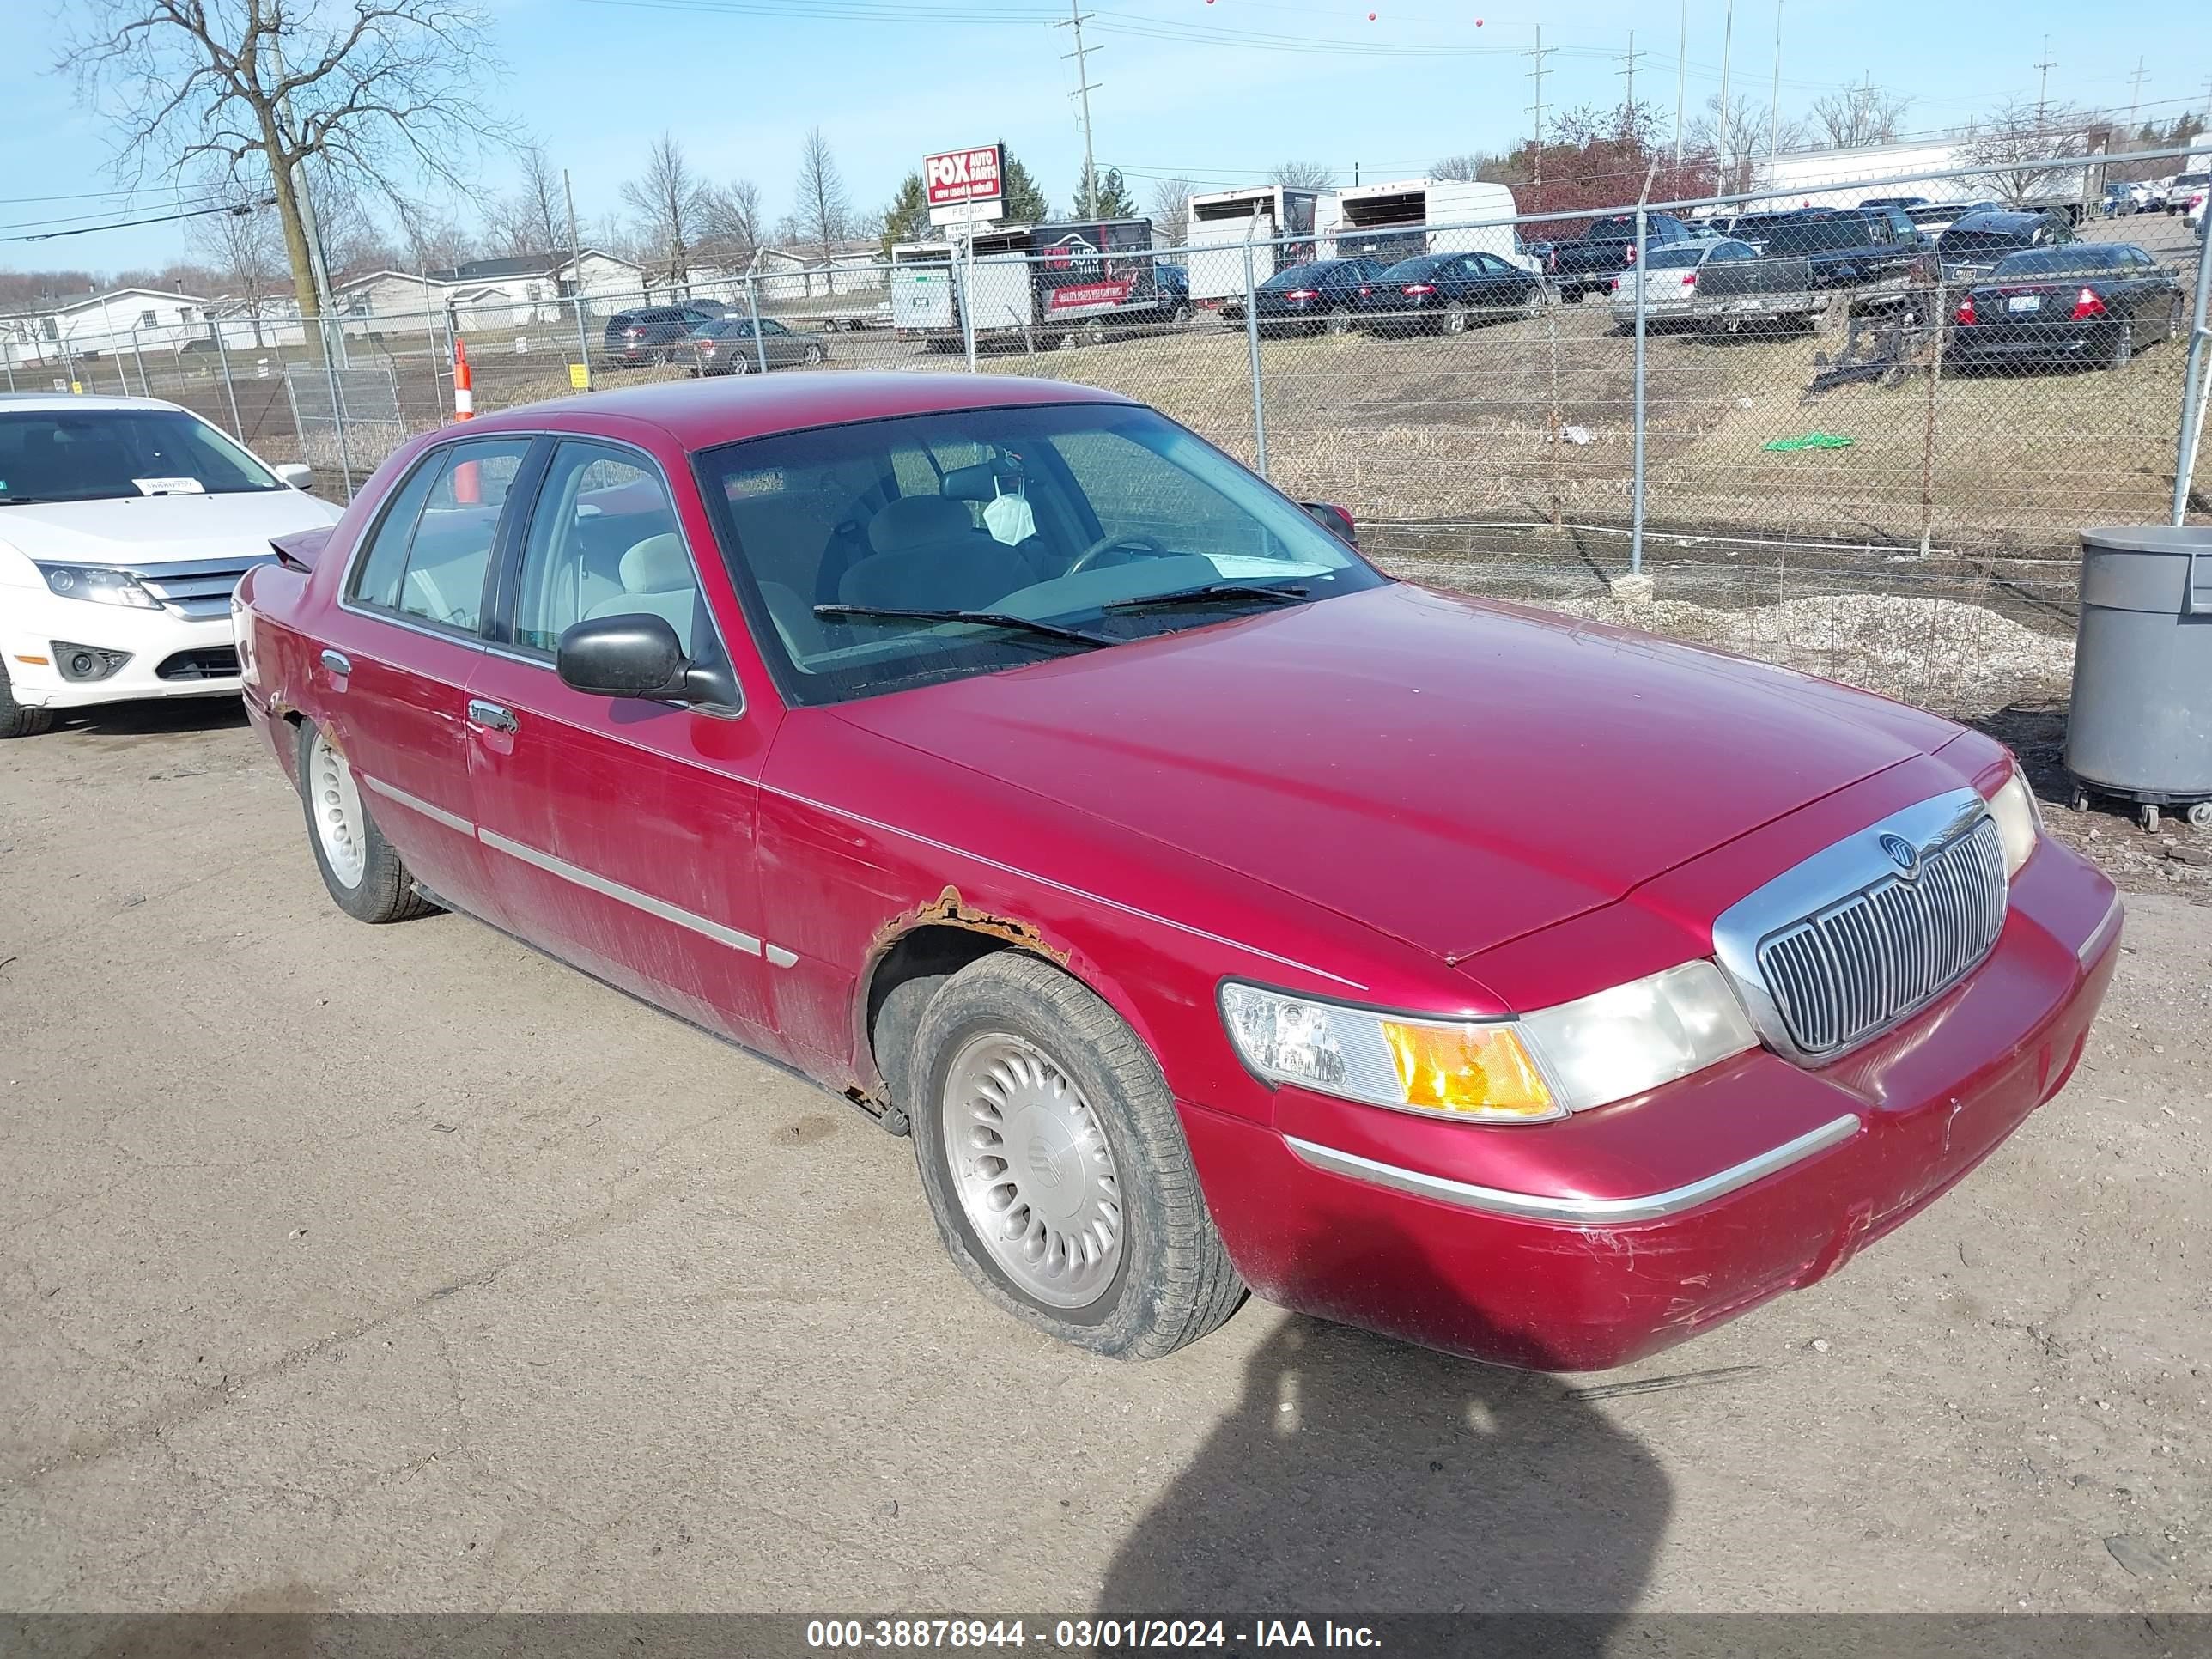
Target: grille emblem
[[1902, 853]]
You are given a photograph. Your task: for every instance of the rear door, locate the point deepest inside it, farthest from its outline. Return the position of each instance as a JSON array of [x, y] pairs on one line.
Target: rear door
[[391, 676], [620, 832]]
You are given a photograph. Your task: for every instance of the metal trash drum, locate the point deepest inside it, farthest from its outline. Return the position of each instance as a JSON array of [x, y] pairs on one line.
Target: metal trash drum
[[2140, 729]]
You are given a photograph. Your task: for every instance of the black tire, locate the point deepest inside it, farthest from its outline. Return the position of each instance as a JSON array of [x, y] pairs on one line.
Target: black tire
[[1455, 319], [1174, 1282], [17, 720], [1338, 321], [385, 892]]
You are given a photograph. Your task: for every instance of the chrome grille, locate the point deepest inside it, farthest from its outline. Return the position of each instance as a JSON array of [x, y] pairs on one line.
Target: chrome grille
[[198, 588], [1844, 972]]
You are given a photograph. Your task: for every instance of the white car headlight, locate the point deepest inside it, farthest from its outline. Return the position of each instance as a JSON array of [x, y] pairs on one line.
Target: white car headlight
[[1538, 1066], [97, 584], [2019, 820]]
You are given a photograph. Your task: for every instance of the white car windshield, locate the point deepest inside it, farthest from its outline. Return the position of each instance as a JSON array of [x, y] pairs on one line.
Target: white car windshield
[[100, 454]]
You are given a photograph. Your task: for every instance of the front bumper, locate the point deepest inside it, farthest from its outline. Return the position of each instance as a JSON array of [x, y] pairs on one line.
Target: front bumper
[[1591, 1243], [152, 639]]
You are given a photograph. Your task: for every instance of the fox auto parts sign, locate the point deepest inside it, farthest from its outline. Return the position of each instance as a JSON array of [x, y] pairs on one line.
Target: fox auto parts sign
[[966, 180]]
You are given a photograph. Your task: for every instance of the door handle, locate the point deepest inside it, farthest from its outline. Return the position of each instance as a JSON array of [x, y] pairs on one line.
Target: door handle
[[492, 716], [338, 662]]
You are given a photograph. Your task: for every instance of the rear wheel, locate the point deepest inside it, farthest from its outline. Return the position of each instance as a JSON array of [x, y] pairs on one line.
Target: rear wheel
[[1338, 321], [1455, 320], [2173, 318], [814, 356], [16, 720], [2122, 349], [1056, 1168], [362, 870]]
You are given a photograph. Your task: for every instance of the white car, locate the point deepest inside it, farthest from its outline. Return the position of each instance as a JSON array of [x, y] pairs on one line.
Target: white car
[[124, 525], [1673, 277]]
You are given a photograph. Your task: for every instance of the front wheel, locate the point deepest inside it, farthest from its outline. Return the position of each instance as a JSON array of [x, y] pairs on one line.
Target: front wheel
[[814, 356], [1054, 1164], [362, 870], [17, 720]]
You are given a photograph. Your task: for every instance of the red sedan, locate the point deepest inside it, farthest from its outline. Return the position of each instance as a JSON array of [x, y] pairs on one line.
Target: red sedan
[[1213, 910]]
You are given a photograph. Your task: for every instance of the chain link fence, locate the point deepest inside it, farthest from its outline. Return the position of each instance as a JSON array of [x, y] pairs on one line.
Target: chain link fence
[[1836, 438]]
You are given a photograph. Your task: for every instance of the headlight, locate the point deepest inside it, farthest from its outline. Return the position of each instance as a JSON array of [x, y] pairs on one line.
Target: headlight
[[99, 585], [2019, 821], [1542, 1066]]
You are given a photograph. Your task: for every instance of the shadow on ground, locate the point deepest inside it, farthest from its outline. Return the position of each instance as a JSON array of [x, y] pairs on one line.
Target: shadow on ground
[[157, 718], [1359, 1474]]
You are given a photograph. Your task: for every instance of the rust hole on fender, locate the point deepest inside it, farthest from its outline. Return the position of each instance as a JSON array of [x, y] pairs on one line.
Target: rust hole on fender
[[948, 909]]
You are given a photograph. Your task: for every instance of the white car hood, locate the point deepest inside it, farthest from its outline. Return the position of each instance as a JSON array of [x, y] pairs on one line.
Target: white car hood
[[148, 530]]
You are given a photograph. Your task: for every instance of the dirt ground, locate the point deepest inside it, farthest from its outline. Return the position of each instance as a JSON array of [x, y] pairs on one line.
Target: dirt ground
[[402, 1268]]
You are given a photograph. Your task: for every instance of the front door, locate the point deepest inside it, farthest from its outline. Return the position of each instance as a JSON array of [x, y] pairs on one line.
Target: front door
[[620, 832], [391, 672]]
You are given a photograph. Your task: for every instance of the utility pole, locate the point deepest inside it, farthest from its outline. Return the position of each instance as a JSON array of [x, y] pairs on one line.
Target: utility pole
[[1728, 40], [1630, 73], [1681, 90], [1537, 109], [2043, 87], [1774, 98], [576, 273], [2135, 98], [1083, 87]]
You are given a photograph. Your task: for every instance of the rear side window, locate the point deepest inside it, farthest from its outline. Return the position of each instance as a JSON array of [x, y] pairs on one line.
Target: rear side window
[[431, 549]]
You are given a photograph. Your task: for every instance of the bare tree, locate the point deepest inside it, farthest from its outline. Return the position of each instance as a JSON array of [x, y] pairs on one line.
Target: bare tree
[[245, 247], [668, 201], [822, 211], [1864, 114], [1749, 132], [365, 89], [530, 220], [2022, 131], [1301, 175], [1170, 212], [731, 222], [1463, 168]]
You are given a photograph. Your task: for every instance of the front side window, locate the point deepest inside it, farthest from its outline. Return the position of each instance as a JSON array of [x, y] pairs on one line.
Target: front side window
[[1070, 526], [99, 454], [433, 546], [603, 543]]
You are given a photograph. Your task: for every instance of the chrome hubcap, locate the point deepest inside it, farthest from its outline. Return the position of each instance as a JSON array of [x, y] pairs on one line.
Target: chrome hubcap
[[339, 825], [1031, 1165]]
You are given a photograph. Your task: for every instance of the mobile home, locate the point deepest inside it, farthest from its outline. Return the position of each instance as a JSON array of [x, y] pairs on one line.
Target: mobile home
[[1279, 220]]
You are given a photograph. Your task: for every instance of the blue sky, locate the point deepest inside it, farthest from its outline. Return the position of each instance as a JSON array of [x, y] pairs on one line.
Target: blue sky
[[1218, 91]]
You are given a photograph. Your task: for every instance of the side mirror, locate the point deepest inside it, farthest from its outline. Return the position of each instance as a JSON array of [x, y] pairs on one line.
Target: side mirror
[[299, 476], [1334, 520], [626, 656]]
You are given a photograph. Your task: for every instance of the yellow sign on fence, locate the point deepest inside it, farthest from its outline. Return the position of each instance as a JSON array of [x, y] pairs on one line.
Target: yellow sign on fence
[[579, 376]]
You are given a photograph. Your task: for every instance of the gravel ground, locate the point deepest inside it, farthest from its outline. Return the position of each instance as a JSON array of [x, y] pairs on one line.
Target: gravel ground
[[402, 1268]]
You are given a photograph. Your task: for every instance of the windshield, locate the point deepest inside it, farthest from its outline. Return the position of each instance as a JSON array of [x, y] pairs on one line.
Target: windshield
[[1673, 258], [99, 455], [1107, 520], [1618, 226]]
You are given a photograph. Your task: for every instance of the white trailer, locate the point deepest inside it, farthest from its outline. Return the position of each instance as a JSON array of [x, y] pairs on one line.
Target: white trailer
[[1413, 216], [1810, 178], [930, 281], [1222, 222]]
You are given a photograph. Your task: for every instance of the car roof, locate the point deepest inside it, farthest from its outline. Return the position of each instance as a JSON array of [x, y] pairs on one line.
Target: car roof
[[701, 414], [37, 400]]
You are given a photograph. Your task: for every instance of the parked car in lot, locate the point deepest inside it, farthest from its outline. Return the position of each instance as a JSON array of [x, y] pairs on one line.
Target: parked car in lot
[[2185, 193], [1936, 218], [1213, 910], [727, 346], [655, 334], [2082, 303], [1974, 247], [124, 525], [1732, 296], [1321, 296], [1172, 283], [1902, 202], [1669, 279], [1588, 264], [1841, 248], [1443, 293]]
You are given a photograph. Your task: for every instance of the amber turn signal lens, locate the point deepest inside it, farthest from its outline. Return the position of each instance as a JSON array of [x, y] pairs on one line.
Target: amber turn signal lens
[[1481, 1071]]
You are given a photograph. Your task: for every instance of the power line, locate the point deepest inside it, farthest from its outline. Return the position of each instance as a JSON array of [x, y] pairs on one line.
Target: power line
[[242, 209]]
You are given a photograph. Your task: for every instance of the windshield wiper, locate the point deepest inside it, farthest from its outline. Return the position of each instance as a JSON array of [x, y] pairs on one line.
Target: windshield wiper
[[1027, 624], [1208, 591]]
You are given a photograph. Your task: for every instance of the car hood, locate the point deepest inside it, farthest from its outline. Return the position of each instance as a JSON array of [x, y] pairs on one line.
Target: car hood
[[144, 530], [1453, 771]]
